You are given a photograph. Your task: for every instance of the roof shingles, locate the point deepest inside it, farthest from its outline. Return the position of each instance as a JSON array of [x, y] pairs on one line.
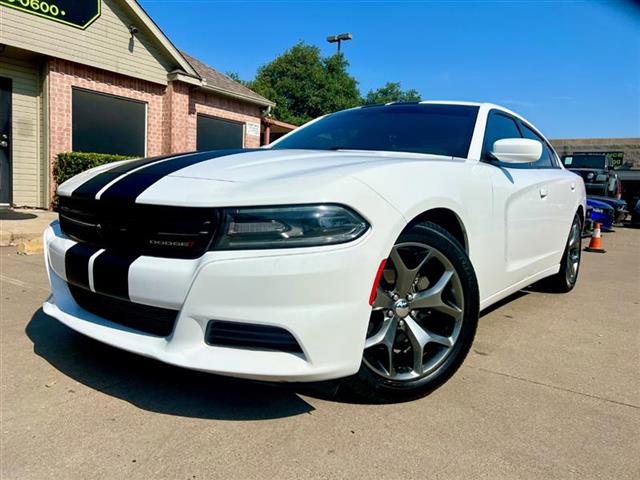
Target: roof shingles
[[219, 81]]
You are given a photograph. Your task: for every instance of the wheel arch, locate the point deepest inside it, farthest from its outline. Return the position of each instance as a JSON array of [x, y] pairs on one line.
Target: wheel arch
[[445, 218], [580, 212]]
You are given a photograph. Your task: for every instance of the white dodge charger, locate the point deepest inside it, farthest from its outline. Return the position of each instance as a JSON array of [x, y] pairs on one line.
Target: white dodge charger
[[361, 246]]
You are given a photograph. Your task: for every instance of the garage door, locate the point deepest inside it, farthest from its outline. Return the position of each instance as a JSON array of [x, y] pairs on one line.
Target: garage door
[[216, 134]]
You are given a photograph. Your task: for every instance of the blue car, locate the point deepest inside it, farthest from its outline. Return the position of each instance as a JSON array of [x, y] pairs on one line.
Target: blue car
[[602, 213], [619, 207]]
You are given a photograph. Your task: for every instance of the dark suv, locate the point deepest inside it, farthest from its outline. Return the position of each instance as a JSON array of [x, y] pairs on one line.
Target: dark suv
[[596, 171]]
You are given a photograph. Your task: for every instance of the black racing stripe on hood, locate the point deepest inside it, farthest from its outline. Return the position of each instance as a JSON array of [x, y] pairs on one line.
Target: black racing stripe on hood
[[131, 186], [76, 264], [111, 273], [91, 187]]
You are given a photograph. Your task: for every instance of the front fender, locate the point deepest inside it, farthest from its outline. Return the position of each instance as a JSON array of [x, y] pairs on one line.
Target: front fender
[[463, 187]]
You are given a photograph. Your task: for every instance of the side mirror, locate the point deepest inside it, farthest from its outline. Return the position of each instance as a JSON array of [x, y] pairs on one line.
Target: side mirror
[[517, 150]]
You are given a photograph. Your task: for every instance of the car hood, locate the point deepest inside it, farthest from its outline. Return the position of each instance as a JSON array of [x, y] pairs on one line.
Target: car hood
[[595, 170], [614, 202], [250, 177], [275, 176], [276, 164], [598, 204]]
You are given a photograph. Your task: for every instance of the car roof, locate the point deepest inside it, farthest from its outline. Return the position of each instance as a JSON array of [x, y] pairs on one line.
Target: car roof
[[482, 105]]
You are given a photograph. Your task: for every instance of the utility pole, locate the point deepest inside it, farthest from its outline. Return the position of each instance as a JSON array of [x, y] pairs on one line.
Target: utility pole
[[343, 37]]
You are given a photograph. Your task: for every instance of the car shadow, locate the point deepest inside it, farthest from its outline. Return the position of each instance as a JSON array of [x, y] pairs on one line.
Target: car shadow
[[503, 302], [155, 386]]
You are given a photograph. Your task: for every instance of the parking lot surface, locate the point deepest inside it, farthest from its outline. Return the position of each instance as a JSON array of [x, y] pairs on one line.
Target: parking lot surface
[[551, 389]]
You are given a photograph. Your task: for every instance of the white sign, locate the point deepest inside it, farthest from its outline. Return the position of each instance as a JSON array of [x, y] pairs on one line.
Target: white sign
[[253, 129]]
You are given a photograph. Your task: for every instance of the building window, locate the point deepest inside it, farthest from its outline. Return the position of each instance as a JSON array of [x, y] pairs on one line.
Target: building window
[[216, 134], [108, 124]]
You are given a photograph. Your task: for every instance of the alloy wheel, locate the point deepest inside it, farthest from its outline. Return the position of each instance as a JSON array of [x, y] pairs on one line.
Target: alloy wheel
[[573, 252], [417, 314]]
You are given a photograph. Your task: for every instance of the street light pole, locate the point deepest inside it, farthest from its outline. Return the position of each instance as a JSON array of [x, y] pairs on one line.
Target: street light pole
[[339, 39]]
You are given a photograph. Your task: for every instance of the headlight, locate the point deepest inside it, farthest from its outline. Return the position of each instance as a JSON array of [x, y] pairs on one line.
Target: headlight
[[598, 210], [286, 227], [601, 177]]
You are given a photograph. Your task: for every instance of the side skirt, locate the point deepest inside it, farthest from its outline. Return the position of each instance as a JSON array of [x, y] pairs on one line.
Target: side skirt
[[496, 297]]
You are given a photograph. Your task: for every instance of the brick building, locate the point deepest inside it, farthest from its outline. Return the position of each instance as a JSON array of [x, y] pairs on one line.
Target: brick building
[[100, 76], [626, 149]]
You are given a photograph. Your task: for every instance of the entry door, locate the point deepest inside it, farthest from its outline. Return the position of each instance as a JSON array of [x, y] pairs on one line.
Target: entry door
[[520, 200], [521, 197], [5, 140]]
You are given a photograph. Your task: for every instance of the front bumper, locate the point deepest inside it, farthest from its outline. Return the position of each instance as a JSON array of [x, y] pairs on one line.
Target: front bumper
[[319, 295], [604, 219]]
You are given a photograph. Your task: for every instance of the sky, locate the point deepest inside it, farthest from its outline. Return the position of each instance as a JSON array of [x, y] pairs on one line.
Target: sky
[[571, 68]]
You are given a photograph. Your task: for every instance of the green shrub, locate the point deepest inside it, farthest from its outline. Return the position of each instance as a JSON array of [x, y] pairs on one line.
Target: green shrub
[[69, 164]]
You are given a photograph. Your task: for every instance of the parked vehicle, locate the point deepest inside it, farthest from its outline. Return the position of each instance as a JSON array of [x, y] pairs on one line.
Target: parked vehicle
[[619, 206], [630, 180], [602, 213], [596, 171], [587, 228], [362, 245], [635, 215]]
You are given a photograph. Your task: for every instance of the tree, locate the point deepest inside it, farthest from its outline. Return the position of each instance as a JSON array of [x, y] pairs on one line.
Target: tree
[[236, 78], [391, 92], [304, 85]]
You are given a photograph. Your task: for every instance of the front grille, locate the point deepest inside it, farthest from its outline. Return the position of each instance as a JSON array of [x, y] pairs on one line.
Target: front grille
[[155, 230], [248, 335], [144, 318]]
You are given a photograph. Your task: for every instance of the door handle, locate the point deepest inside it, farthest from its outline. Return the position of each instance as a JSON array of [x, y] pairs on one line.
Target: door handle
[[4, 143], [543, 192], [573, 187]]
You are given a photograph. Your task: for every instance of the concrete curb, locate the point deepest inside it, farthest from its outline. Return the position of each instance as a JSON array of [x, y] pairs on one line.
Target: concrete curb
[[9, 239], [26, 244], [23, 229], [30, 247]]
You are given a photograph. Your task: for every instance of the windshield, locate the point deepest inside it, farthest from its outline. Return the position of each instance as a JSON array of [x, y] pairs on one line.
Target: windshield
[[585, 161], [419, 128]]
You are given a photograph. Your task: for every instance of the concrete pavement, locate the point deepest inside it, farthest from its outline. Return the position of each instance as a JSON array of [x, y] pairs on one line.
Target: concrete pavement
[[550, 390]]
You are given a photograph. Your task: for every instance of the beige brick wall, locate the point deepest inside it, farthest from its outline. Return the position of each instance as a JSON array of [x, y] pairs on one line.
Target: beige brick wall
[[222, 107], [176, 125], [63, 76], [171, 111]]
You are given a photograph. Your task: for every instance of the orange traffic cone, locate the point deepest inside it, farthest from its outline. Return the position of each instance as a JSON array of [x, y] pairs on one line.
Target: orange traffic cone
[[595, 245]]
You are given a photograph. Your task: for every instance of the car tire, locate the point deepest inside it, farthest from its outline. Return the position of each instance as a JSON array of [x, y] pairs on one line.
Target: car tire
[[454, 320], [566, 278]]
